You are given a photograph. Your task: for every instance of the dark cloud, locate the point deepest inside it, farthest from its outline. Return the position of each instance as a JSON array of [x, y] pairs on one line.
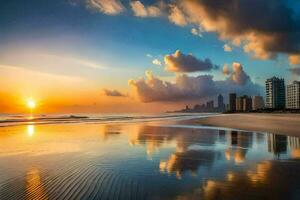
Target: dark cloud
[[179, 62], [185, 87], [264, 28], [113, 93]]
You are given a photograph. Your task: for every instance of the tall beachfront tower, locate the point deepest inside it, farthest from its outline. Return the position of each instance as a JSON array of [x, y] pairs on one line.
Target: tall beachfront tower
[[258, 102], [221, 105], [275, 93], [293, 95], [232, 102]]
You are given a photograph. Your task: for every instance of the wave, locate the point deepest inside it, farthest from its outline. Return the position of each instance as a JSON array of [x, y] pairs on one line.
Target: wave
[[13, 120]]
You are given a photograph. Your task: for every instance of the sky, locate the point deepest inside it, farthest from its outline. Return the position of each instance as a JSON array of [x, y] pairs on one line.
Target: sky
[[116, 56]]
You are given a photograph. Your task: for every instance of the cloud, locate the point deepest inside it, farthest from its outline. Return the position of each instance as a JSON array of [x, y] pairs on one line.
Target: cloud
[[177, 17], [294, 59], [197, 32], [238, 75], [179, 62], [109, 7], [149, 55], [153, 89], [156, 62], [227, 48], [226, 71], [272, 30], [140, 10], [113, 93]]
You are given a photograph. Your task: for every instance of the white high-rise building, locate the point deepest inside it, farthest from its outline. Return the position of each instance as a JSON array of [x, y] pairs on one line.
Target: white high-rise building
[[293, 95], [257, 102]]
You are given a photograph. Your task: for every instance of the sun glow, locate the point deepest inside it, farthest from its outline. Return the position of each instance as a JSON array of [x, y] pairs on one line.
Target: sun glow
[[31, 104], [30, 130]]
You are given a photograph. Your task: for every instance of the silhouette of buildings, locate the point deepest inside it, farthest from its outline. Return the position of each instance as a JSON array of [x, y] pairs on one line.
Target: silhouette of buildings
[[208, 107], [243, 104], [276, 98], [232, 102], [221, 105], [210, 104], [293, 95], [257, 102], [275, 93], [247, 104]]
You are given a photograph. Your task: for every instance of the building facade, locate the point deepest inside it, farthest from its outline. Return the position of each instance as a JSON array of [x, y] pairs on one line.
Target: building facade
[[232, 102], [210, 105], [243, 104], [221, 105], [239, 104], [293, 95], [257, 102], [247, 104], [275, 93]]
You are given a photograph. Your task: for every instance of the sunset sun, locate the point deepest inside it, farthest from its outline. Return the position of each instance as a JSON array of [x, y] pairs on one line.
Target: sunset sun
[[31, 104]]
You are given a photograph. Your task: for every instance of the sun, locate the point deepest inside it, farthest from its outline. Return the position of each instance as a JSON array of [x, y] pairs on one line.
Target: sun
[[31, 104]]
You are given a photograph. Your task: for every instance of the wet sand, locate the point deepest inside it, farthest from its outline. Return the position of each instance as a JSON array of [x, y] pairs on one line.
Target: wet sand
[[287, 124], [157, 160]]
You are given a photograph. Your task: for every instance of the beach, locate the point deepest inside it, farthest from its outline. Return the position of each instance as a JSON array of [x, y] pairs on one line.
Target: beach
[[144, 157], [287, 124]]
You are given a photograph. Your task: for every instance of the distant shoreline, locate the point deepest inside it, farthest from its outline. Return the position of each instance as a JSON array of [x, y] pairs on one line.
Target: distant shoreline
[[262, 111], [283, 123]]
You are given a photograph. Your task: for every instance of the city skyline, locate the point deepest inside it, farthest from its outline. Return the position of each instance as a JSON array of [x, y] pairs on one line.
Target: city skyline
[[141, 56], [278, 96]]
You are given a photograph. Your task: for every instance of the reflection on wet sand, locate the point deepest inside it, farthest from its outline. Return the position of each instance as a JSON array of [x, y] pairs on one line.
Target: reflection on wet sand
[[34, 186], [146, 161], [265, 181], [277, 144], [191, 160]]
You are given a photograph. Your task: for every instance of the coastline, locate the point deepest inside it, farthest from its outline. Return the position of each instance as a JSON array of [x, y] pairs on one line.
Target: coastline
[[284, 124]]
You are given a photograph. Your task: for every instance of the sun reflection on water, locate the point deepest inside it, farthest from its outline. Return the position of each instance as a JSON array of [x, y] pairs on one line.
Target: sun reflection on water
[[34, 186], [30, 130]]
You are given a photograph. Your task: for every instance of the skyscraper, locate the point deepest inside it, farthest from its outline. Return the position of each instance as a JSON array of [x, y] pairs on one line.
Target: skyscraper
[[239, 104], [293, 95], [257, 102], [244, 103], [221, 105], [232, 102], [247, 103], [275, 93], [210, 105]]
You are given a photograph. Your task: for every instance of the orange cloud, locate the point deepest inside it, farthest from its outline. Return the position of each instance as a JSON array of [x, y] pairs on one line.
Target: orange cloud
[[140, 10], [294, 59], [110, 7], [177, 16]]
